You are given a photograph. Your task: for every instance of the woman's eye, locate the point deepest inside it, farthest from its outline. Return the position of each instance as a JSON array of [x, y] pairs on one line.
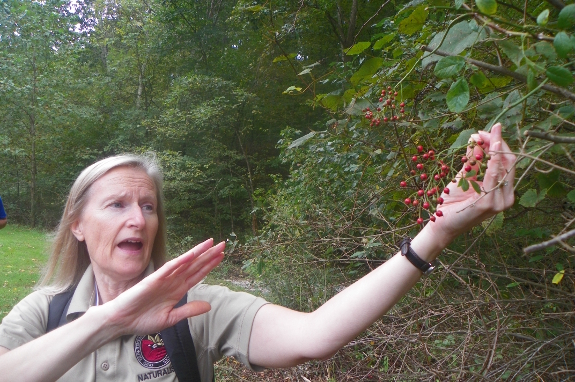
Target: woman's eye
[[116, 205], [148, 207]]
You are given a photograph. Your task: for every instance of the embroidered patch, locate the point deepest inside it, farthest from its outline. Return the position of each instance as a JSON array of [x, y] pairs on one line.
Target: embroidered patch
[[151, 352]]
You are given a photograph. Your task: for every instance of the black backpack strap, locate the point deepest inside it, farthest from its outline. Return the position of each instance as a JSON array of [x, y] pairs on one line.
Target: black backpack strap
[[58, 309], [180, 347]]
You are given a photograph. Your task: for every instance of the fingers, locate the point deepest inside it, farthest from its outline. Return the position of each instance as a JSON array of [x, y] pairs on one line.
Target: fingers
[[191, 309]]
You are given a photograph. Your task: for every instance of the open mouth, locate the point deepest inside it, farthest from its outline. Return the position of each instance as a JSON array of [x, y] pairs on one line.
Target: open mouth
[[131, 245]]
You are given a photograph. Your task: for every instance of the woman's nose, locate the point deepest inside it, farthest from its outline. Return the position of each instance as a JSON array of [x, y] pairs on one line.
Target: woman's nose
[[136, 218]]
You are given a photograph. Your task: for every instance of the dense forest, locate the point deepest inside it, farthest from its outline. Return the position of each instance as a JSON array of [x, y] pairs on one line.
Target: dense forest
[[301, 131]]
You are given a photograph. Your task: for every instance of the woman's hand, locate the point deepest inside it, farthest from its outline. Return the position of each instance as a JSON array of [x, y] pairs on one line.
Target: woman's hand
[[464, 209], [148, 306]]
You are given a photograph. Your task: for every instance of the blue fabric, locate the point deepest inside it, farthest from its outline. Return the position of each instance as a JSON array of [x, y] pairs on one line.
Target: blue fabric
[[2, 211]]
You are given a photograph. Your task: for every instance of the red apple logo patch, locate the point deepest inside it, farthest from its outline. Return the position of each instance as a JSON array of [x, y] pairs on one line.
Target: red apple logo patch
[[150, 351]]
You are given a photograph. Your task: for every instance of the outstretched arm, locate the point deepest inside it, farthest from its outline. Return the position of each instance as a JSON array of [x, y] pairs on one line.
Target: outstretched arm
[[282, 337], [147, 307]]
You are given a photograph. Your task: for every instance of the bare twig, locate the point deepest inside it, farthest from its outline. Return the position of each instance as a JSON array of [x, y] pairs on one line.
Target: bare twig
[[549, 243], [550, 137]]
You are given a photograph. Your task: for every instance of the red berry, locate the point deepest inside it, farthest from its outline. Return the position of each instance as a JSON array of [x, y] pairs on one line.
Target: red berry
[[395, 94], [446, 190], [437, 177], [379, 109], [402, 110], [439, 213], [395, 117], [425, 156], [385, 119], [412, 172], [383, 92], [389, 88], [388, 102], [425, 205], [419, 166], [403, 183], [440, 200], [431, 153], [480, 142], [444, 168], [414, 158], [432, 218], [402, 104], [467, 168], [415, 202], [420, 148], [407, 201], [419, 221], [423, 176], [420, 193], [381, 99], [463, 159], [478, 156]]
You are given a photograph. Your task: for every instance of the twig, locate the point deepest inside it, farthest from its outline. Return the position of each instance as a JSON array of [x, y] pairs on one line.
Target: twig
[[498, 69], [549, 243], [549, 137]]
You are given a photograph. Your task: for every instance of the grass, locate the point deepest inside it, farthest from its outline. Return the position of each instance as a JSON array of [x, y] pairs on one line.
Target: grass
[[22, 254]]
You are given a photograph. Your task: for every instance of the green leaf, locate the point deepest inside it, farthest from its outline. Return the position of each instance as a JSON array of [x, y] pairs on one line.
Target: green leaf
[[530, 198], [358, 48], [464, 184], [414, 22], [254, 8], [292, 89], [535, 258], [563, 44], [488, 7], [449, 66], [459, 3], [494, 224], [459, 37], [367, 69], [283, 57], [461, 140], [561, 76], [383, 41], [559, 267], [458, 96], [475, 186], [566, 17], [301, 140], [512, 285], [571, 196], [479, 80], [512, 51], [305, 71], [543, 18], [558, 277], [531, 80]]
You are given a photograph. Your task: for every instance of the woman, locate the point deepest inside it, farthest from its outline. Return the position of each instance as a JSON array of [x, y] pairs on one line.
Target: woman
[[112, 237]]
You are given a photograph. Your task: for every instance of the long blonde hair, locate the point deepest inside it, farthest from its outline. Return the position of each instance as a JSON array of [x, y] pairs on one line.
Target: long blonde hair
[[68, 256]]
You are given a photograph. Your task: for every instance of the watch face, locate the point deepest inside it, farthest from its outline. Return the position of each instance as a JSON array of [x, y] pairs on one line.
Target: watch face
[[404, 248]]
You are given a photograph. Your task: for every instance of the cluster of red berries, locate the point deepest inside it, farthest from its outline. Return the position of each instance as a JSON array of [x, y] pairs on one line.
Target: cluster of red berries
[[385, 105], [428, 188], [429, 184]]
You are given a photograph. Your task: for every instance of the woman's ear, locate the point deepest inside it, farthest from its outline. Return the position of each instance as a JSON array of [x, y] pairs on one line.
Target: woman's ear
[[76, 229]]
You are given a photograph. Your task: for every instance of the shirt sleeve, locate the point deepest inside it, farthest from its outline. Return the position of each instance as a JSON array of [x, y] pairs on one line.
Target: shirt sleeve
[[26, 321], [225, 330]]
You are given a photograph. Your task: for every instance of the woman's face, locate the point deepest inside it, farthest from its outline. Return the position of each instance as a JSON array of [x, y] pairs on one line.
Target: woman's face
[[119, 223]]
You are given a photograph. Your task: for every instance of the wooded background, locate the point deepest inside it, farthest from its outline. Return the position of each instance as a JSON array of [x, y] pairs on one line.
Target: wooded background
[[264, 115]]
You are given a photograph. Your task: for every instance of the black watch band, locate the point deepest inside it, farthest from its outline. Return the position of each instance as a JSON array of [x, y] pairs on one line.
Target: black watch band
[[406, 250]]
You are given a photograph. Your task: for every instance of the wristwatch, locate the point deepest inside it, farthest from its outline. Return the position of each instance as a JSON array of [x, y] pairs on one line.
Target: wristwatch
[[406, 250]]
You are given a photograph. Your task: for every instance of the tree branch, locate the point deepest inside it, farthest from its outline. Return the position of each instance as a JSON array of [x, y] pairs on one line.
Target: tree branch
[[499, 69], [549, 243], [557, 4], [549, 137]]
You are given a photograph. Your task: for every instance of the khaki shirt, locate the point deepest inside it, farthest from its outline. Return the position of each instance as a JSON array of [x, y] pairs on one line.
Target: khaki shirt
[[223, 331]]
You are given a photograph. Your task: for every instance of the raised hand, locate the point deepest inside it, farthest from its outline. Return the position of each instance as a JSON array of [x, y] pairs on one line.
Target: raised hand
[[464, 209], [148, 306]]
